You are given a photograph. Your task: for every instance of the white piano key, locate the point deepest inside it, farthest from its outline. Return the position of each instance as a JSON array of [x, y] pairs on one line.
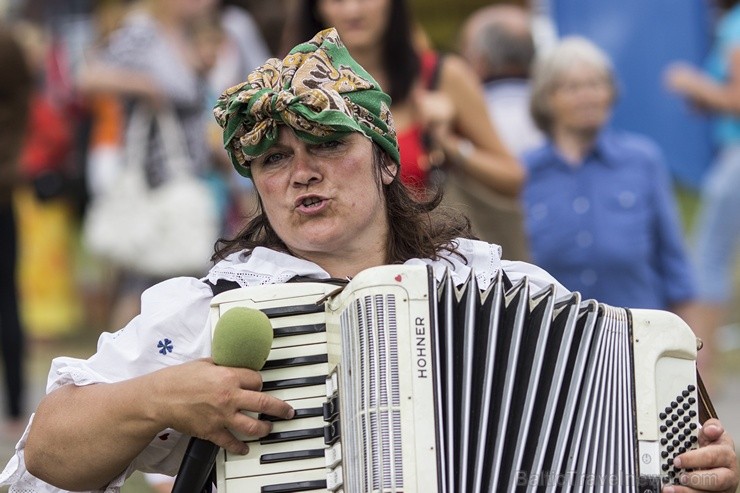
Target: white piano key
[[294, 424], [300, 393], [305, 339], [332, 384], [320, 369], [255, 484], [334, 479], [298, 424], [249, 465], [333, 455], [296, 351]]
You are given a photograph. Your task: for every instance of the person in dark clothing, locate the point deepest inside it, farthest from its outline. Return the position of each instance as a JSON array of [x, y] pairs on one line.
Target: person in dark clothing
[[15, 92]]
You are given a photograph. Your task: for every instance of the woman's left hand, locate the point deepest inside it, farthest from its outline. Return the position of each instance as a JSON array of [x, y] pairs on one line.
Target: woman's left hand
[[682, 78], [714, 463]]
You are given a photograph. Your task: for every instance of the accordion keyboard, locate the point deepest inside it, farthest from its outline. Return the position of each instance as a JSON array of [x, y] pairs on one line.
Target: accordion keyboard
[[292, 457]]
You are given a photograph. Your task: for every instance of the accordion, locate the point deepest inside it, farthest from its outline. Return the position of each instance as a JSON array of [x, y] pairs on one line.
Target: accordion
[[405, 383]]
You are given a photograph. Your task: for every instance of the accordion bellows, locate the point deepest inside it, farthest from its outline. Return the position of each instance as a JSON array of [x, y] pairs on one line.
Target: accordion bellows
[[403, 383]]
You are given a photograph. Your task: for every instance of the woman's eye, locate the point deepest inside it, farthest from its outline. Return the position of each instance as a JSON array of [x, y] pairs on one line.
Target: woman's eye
[[331, 144], [273, 158]]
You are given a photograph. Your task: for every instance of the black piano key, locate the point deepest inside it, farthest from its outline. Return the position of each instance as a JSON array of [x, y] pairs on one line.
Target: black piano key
[[308, 412], [291, 383], [289, 311], [286, 436], [331, 408], [313, 359], [292, 455], [297, 486], [298, 330], [331, 432]]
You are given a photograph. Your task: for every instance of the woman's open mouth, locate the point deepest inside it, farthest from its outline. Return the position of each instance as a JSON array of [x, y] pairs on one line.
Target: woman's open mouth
[[311, 203]]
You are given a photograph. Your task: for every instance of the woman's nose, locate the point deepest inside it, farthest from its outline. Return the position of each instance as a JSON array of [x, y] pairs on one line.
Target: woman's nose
[[306, 169]]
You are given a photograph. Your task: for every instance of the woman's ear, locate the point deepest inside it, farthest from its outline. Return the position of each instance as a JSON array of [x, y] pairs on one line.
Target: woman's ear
[[389, 174]]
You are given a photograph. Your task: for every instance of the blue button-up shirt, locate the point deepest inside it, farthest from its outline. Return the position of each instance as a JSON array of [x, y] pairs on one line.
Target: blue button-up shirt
[[608, 227]]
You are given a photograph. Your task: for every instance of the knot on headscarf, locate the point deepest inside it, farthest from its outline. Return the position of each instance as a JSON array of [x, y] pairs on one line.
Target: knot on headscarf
[[317, 89]]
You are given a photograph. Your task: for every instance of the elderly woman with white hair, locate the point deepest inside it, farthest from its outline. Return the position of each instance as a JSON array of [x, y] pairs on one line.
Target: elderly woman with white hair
[[601, 216]]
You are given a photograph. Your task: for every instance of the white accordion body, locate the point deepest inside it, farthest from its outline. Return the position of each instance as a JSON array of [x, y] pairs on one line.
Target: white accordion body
[[405, 384]]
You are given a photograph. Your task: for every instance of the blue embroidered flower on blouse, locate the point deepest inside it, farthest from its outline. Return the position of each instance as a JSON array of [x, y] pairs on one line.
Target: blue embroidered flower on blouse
[[165, 346]]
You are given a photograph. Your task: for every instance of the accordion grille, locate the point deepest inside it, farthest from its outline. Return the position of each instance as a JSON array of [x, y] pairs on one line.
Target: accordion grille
[[369, 329]]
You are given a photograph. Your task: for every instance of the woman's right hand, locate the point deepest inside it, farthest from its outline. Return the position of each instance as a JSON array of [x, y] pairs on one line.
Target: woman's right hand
[[204, 400]]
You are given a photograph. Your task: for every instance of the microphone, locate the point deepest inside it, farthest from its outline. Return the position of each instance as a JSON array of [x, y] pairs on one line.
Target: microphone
[[242, 338]]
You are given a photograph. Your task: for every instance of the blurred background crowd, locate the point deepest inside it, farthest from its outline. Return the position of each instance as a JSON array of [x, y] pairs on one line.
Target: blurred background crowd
[[597, 139]]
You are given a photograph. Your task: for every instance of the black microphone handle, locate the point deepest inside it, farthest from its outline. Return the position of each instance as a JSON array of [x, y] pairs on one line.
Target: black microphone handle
[[196, 466]]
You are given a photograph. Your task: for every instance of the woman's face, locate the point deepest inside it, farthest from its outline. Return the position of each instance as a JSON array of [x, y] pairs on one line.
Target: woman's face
[[581, 100], [190, 10], [361, 23], [323, 199]]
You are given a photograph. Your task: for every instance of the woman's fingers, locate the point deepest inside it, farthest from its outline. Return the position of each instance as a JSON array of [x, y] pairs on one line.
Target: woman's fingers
[[713, 466], [249, 425], [227, 441]]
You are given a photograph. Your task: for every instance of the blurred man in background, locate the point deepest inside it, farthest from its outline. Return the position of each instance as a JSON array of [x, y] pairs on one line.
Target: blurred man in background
[[498, 43]]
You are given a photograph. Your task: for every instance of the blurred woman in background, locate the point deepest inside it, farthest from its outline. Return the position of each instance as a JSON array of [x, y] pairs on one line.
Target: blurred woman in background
[[601, 215], [717, 91], [437, 101], [153, 60]]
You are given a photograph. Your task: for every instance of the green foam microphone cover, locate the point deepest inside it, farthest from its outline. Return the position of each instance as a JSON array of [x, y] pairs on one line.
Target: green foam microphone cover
[[242, 338]]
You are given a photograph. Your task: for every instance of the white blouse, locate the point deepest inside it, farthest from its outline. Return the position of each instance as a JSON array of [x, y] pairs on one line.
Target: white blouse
[[173, 327]]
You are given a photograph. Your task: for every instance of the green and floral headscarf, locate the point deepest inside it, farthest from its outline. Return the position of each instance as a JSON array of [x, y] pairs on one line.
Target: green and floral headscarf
[[318, 90]]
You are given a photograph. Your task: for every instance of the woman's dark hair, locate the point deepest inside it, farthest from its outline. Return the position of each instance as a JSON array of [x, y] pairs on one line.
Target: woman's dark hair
[[418, 228], [15, 96], [727, 4], [400, 58]]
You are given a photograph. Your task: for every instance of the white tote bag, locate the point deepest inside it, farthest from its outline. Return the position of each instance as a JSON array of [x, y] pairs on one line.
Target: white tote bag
[[165, 231]]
